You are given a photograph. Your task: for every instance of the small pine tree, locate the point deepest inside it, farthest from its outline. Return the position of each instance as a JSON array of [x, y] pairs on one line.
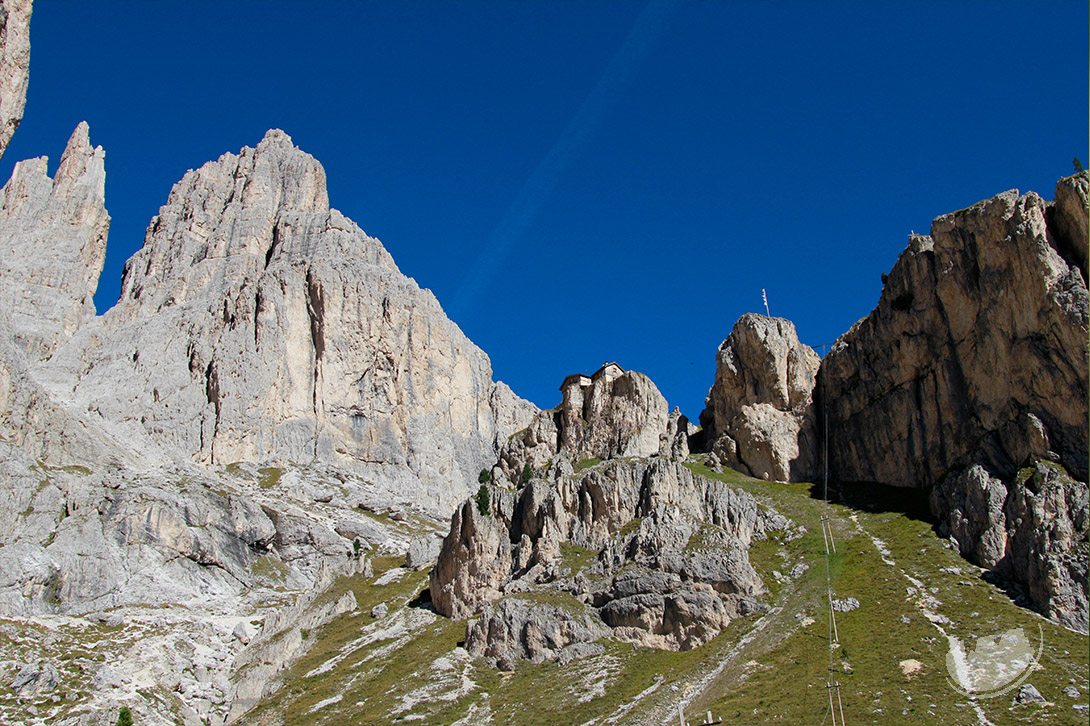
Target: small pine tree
[[485, 476], [527, 473], [484, 500], [356, 546], [1078, 165], [124, 718]]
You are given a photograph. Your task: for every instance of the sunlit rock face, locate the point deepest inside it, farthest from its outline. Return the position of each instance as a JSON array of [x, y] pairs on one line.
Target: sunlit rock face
[[14, 65], [602, 477], [976, 353], [972, 368], [611, 414], [759, 416], [53, 245], [267, 382], [258, 324]]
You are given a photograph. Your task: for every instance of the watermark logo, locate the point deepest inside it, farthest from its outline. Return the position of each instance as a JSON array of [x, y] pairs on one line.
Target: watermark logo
[[997, 663]]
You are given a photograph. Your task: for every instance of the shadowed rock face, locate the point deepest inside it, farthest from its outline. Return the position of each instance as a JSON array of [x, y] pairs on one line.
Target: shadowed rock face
[[759, 417], [14, 65], [972, 368], [258, 324]]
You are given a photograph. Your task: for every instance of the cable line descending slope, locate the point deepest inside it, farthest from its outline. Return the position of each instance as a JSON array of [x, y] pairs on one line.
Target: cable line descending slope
[[832, 685]]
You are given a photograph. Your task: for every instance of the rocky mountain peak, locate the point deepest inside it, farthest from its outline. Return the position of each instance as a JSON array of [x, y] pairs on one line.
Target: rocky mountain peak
[[971, 375], [229, 220], [258, 324], [54, 244], [758, 415]]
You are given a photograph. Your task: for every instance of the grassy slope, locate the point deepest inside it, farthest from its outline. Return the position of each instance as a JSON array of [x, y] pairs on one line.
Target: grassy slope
[[770, 669]]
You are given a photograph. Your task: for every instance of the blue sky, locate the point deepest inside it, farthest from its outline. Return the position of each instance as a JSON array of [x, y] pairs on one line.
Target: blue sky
[[587, 181]]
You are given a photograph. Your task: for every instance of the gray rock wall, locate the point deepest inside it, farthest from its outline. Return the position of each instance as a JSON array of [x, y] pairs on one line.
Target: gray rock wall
[[257, 324], [14, 65], [971, 372], [976, 353], [53, 245]]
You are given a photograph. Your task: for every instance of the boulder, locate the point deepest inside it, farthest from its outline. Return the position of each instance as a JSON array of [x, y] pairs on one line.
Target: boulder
[[422, 552], [35, 678]]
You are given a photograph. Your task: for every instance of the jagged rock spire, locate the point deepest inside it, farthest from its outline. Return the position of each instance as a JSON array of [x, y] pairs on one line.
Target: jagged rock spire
[[53, 245]]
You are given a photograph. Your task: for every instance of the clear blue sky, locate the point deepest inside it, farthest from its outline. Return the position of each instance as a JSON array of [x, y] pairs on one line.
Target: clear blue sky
[[587, 181]]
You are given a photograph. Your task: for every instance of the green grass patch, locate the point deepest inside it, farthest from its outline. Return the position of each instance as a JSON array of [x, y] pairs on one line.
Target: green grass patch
[[631, 526], [270, 569], [583, 464], [575, 557], [269, 477]]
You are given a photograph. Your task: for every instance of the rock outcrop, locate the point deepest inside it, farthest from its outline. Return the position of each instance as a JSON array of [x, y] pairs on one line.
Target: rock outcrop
[[53, 245], [976, 353], [613, 413], [518, 628], [972, 367], [14, 65], [216, 442], [258, 324], [1031, 531], [640, 548], [1068, 220], [759, 416]]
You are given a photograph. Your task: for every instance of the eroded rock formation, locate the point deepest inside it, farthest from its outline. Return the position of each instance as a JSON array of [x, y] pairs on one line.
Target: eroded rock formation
[[53, 245], [759, 416], [613, 413], [14, 65], [220, 439], [258, 324], [972, 367], [647, 550]]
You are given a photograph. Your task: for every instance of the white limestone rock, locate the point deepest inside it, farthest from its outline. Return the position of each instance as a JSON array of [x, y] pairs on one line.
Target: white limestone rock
[[14, 65], [257, 324], [53, 245]]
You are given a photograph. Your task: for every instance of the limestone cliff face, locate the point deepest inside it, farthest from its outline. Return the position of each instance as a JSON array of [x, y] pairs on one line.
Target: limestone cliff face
[[52, 245], [14, 65], [759, 416], [972, 367], [258, 324], [976, 353]]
